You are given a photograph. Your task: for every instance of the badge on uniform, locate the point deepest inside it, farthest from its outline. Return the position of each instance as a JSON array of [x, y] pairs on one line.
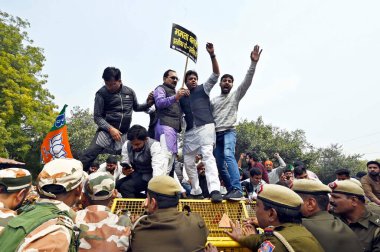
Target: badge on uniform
[[266, 246]]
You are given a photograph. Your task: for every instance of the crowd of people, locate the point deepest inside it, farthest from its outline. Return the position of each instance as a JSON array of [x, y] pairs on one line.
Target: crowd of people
[[295, 210]]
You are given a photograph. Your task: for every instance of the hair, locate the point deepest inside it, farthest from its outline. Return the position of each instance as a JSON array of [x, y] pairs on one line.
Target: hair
[[54, 189], [227, 76], [298, 163], [360, 174], [164, 201], [255, 171], [343, 171], [299, 170], [111, 73], [3, 189], [322, 199], [190, 72], [95, 164], [137, 132], [111, 159], [373, 162], [286, 183], [361, 198], [253, 156], [284, 215], [166, 74]]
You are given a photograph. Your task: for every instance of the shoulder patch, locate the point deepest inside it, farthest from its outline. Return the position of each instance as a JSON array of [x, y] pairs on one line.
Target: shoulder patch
[[266, 246], [375, 219]]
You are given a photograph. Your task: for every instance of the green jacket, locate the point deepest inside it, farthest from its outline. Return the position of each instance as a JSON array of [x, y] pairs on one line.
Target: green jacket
[[31, 218], [324, 226], [367, 229], [296, 235]]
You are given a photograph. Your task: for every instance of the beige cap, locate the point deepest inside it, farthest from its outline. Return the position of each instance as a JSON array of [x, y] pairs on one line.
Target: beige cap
[[100, 185], [346, 187], [15, 179], [165, 185], [309, 186], [63, 171], [280, 196]]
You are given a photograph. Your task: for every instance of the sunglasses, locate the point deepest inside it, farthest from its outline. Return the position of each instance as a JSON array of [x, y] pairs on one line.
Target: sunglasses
[[173, 78]]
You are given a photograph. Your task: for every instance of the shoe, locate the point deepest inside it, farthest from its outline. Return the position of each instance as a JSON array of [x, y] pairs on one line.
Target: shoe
[[235, 194], [198, 196], [216, 197]]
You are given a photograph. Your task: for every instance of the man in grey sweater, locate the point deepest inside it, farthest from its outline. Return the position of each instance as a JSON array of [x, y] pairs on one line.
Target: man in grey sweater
[[224, 108]]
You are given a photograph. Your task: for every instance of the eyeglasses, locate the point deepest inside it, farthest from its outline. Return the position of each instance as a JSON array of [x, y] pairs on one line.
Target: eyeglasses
[[174, 78]]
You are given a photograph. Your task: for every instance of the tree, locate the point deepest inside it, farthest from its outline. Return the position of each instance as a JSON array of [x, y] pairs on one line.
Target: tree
[[266, 140], [81, 129], [26, 107], [332, 158]]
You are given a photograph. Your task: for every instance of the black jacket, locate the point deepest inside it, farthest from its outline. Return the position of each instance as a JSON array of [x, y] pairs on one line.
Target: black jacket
[[115, 109]]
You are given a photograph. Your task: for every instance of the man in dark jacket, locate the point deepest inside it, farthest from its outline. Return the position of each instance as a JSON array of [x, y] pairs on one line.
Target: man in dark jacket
[[200, 130], [114, 103]]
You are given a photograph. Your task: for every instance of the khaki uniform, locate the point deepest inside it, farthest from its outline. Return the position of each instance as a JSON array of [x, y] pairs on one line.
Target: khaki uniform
[[331, 232], [373, 207], [368, 231], [5, 216], [168, 230], [102, 230], [296, 235]]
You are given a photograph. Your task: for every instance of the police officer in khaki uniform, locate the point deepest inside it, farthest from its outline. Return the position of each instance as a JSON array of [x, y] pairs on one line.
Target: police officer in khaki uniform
[[165, 229], [278, 213], [330, 231], [347, 199]]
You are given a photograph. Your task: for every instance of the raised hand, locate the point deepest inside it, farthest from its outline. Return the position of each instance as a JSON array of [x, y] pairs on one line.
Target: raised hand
[[210, 49], [255, 54]]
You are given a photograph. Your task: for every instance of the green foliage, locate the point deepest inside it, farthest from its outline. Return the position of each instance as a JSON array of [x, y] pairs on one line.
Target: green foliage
[[26, 108], [332, 158], [81, 129], [266, 140]]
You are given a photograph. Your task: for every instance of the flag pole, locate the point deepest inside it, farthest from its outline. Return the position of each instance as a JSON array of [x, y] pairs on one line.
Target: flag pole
[[184, 74]]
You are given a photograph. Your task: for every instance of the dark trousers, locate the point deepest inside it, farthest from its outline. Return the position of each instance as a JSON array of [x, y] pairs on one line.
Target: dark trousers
[[132, 185], [92, 152]]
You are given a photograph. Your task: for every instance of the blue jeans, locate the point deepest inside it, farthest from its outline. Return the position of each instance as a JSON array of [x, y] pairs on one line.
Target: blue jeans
[[224, 153]]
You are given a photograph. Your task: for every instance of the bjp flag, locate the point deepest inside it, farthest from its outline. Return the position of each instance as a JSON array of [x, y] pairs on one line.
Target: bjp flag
[[56, 143]]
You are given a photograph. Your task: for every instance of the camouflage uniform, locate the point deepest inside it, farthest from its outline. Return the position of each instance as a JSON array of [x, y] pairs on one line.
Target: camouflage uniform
[[5, 216], [54, 234], [12, 180], [101, 230]]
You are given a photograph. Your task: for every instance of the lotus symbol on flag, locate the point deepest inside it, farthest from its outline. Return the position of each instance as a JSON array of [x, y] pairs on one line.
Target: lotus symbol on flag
[[57, 149]]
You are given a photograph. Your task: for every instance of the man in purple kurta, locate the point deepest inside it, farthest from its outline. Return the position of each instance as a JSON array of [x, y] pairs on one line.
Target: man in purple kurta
[[169, 115]]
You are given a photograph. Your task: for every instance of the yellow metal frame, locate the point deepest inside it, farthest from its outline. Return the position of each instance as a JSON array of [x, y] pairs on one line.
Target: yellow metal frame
[[211, 213]]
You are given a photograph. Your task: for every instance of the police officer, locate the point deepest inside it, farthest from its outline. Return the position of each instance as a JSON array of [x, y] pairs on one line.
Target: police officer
[[101, 229], [14, 187], [321, 223], [48, 225], [278, 212], [164, 228], [347, 199]]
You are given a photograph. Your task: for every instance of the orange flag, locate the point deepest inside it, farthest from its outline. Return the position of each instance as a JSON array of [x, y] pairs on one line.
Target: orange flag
[[56, 143]]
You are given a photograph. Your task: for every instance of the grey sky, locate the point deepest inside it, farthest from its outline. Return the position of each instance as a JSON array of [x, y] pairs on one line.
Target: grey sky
[[317, 71]]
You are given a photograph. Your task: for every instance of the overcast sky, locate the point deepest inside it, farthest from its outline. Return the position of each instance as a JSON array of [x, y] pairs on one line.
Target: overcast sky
[[317, 71]]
